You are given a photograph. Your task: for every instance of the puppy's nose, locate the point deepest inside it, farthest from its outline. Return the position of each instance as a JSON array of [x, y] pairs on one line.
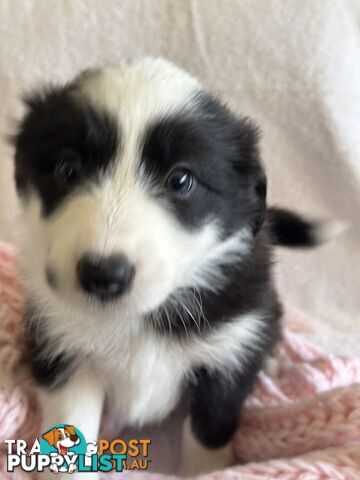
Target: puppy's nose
[[105, 277]]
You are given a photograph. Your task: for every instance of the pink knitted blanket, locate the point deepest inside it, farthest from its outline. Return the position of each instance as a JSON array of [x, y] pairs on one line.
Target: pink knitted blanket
[[303, 423]]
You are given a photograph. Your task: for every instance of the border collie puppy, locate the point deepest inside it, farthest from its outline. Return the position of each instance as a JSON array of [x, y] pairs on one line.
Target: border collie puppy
[[147, 251]]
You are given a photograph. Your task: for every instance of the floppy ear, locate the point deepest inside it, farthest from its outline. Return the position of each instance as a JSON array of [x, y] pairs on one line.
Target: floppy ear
[[250, 167], [50, 437], [70, 429]]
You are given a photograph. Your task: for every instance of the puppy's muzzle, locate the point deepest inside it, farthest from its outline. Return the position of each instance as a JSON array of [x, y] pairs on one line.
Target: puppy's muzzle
[[105, 277]]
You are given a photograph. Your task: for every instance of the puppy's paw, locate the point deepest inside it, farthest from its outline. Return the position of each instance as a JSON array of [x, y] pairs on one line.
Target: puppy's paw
[[196, 459]]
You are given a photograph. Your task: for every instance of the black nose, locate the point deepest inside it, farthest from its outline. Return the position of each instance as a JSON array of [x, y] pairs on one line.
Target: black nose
[[104, 277]]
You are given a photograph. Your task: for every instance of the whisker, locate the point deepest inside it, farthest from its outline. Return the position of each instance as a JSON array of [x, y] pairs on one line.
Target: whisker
[[199, 303], [191, 316], [174, 304], [169, 322]]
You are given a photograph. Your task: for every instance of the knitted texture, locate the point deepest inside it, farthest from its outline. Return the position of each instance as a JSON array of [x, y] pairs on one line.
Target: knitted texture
[[301, 423]]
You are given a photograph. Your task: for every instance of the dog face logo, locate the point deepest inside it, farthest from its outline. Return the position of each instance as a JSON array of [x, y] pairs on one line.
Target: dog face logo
[[62, 438]]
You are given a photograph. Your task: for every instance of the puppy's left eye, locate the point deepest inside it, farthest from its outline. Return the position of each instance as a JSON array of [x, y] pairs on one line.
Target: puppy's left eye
[[180, 181]]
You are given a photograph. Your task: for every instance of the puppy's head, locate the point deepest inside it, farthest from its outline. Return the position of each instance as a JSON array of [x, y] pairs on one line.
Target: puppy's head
[[136, 184]]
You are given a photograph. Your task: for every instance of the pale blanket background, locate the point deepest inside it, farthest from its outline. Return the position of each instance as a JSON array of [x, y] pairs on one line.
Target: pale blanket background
[[292, 66]]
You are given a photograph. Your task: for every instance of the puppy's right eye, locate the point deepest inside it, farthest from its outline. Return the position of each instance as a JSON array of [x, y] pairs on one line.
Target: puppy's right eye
[[68, 167]]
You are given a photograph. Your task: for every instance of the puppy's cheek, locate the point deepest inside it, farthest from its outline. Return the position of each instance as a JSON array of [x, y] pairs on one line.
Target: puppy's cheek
[[153, 283]]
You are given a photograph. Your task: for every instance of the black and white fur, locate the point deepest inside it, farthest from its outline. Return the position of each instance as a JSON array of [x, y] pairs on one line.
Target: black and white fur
[[94, 162]]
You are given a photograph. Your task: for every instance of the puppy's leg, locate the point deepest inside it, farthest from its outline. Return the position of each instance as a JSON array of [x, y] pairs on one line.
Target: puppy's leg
[[216, 400], [77, 402]]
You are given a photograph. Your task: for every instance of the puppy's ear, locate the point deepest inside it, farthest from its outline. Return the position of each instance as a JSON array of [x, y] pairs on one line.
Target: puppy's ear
[[50, 437], [260, 193], [249, 166], [70, 429]]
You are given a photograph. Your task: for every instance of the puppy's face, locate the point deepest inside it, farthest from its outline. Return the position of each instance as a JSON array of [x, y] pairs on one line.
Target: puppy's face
[[136, 184]]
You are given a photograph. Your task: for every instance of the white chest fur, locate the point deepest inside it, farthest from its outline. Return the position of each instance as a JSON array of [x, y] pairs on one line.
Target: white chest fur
[[145, 380], [143, 372], [145, 375]]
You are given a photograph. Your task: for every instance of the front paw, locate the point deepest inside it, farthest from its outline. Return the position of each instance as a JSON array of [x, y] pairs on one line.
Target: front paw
[[197, 459]]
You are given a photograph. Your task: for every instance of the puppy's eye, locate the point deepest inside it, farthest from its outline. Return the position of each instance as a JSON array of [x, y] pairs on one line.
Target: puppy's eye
[[60, 437], [180, 181], [68, 167]]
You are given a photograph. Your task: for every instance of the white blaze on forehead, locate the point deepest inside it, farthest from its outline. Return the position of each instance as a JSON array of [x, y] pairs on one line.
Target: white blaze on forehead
[[136, 94]]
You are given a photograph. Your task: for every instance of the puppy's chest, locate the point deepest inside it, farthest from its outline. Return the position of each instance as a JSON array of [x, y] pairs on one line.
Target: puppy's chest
[[146, 378], [145, 374]]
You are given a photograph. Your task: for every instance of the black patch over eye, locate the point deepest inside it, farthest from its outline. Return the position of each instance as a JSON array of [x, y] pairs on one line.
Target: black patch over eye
[[209, 148], [61, 144], [180, 181], [68, 167]]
